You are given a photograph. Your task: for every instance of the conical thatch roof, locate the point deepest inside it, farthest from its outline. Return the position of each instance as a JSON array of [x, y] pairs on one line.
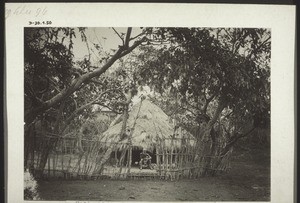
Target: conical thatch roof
[[151, 123]]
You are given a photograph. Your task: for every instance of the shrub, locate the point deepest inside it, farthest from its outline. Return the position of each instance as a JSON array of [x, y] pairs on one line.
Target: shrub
[[30, 187]]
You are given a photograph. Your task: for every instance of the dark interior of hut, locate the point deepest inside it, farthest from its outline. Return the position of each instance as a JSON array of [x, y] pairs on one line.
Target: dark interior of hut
[[136, 156], [116, 155]]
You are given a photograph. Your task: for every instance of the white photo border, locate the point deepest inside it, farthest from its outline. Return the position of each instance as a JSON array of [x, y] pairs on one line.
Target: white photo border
[[279, 18]]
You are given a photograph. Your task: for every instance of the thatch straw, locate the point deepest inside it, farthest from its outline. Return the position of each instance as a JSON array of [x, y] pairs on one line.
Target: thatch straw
[[151, 124]]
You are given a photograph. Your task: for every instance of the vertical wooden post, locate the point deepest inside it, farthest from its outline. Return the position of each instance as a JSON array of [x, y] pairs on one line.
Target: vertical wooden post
[[176, 159], [164, 158], [171, 153], [32, 150], [171, 159], [129, 153], [157, 158], [69, 164], [38, 155], [85, 163], [54, 164], [116, 157], [56, 161], [62, 162], [185, 162], [91, 155], [180, 156], [129, 159], [167, 160], [190, 158], [48, 165], [122, 159]]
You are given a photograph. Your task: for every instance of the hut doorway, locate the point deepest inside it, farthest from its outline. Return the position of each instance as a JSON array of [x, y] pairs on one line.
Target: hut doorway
[[136, 151], [136, 156]]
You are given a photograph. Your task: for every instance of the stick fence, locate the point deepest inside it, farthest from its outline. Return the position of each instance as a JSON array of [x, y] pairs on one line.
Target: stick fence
[[73, 158]]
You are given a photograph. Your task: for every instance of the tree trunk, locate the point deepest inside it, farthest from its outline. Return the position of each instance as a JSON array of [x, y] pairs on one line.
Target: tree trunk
[[121, 161], [206, 143], [211, 154], [233, 140], [29, 147], [32, 113], [111, 147], [50, 145], [129, 157], [229, 146], [122, 132], [77, 83]]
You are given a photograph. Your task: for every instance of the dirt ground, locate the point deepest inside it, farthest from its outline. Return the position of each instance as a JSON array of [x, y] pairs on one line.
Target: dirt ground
[[248, 180]]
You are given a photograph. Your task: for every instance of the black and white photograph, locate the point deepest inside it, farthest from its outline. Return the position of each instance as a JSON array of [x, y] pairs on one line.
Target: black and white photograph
[[186, 108], [147, 113]]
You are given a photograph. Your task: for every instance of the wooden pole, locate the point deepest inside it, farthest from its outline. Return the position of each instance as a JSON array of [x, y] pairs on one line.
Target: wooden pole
[[122, 159], [157, 158], [62, 162], [181, 147], [48, 166], [54, 164], [171, 153], [116, 158], [38, 156], [129, 158], [69, 164], [95, 156], [164, 158], [167, 160]]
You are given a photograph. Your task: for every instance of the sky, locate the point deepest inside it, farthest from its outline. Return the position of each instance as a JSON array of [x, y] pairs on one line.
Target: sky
[[104, 36], [108, 39]]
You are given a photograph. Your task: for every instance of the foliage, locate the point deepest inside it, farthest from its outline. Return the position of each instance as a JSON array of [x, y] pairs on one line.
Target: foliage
[[48, 59], [50, 68], [212, 81], [30, 187], [209, 67], [61, 93]]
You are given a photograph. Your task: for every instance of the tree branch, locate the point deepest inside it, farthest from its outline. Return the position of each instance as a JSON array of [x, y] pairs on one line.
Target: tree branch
[[229, 114], [104, 105], [137, 36], [208, 100], [118, 35], [136, 44], [254, 51], [195, 107], [96, 82], [77, 82], [30, 92], [213, 120], [78, 110], [53, 84], [126, 44], [234, 139], [87, 45]]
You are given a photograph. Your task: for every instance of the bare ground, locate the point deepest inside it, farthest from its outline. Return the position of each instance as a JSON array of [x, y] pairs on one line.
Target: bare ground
[[248, 180]]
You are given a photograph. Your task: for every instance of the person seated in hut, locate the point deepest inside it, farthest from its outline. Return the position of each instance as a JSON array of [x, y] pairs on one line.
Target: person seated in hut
[[145, 159]]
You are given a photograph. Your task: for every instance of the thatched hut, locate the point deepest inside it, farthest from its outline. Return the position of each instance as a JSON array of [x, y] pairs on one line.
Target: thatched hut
[[147, 124]]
